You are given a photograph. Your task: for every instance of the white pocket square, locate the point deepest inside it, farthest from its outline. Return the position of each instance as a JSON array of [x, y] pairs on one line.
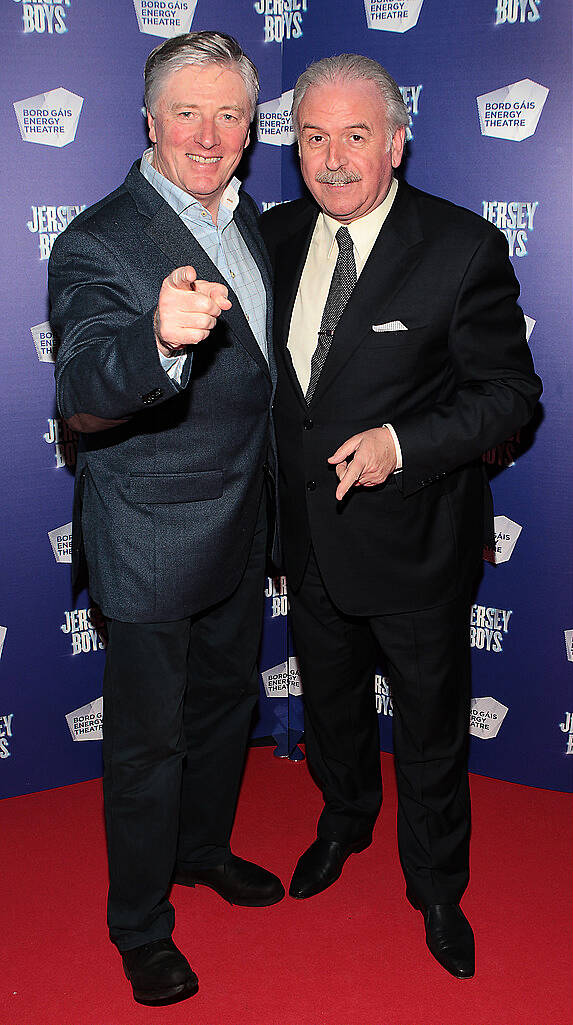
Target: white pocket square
[[392, 325]]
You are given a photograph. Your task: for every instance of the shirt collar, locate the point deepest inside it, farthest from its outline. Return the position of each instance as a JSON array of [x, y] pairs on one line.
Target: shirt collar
[[364, 230], [181, 201]]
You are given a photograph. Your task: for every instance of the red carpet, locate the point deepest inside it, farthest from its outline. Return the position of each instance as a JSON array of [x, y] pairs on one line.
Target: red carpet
[[355, 955]]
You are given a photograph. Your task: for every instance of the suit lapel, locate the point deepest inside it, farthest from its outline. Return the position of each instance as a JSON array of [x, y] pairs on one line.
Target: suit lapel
[[393, 258], [180, 247]]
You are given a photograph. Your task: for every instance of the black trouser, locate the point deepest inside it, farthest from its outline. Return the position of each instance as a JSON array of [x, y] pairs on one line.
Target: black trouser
[[427, 654], [178, 703]]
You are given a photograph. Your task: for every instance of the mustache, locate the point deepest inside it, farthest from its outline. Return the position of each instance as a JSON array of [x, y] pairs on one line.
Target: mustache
[[337, 177]]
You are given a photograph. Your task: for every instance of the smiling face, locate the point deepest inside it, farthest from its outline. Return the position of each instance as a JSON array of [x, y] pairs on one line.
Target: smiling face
[[345, 158], [200, 129]]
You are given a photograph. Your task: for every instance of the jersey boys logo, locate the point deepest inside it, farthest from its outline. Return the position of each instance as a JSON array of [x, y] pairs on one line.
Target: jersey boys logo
[[64, 440], [513, 12], [50, 119], [513, 111], [283, 679], [85, 723], [505, 453], [44, 16], [411, 97], [506, 534], [283, 19], [165, 18], [392, 15], [274, 122], [61, 542], [488, 627], [486, 717], [515, 219], [80, 625], [383, 695], [5, 735], [47, 222], [276, 592], [567, 727]]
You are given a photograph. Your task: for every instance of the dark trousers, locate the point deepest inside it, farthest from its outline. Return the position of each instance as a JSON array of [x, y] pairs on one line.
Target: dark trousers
[[427, 654], [178, 703]]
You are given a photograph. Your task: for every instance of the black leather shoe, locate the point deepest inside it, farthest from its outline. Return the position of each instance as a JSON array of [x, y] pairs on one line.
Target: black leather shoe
[[240, 882], [449, 937], [320, 866], [159, 974]]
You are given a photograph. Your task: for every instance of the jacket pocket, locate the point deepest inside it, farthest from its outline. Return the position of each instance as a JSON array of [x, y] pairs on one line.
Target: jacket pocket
[[169, 488]]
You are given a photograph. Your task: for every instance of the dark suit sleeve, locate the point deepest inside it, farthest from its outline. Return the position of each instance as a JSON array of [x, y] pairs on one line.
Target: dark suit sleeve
[[107, 364], [492, 388]]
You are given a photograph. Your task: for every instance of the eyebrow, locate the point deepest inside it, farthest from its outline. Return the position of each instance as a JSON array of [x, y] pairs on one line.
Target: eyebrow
[[195, 106], [316, 128]]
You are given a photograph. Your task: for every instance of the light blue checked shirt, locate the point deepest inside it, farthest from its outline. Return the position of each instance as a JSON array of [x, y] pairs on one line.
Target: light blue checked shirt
[[223, 244]]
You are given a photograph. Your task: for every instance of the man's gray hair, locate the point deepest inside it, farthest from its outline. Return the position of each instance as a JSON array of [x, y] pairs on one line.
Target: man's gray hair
[[198, 48], [345, 67]]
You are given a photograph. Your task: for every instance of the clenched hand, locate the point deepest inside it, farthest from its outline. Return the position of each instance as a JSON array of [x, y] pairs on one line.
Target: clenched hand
[[187, 310]]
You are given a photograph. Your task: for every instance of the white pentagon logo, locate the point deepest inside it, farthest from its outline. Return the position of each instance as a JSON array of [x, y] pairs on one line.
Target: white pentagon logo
[[61, 542], [513, 111], [165, 18], [50, 119], [486, 717], [283, 679], [3, 632], [506, 535], [569, 644], [274, 122], [392, 15], [44, 341], [85, 723], [529, 325]]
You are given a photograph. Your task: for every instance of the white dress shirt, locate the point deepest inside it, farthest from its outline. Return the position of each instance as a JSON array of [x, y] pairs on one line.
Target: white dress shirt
[[315, 283]]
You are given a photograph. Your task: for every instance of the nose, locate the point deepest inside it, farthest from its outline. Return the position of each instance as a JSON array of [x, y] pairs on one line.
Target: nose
[[334, 156], [206, 134]]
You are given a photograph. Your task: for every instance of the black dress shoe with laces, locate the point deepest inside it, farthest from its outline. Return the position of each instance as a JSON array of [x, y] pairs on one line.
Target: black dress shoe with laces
[[320, 866], [449, 937], [237, 881], [159, 974]]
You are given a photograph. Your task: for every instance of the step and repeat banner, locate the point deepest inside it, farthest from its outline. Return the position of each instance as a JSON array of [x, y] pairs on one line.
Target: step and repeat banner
[[488, 87]]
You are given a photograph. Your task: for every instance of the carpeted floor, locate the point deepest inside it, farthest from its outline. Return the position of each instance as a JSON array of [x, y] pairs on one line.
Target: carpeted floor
[[354, 955]]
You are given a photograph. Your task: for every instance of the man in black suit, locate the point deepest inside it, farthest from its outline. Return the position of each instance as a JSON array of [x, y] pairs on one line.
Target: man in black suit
[[161, 297], [401, 356]]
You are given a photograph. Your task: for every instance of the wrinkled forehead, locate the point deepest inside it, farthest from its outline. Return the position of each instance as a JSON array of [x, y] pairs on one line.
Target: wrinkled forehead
[[342, 104], [195, 82]]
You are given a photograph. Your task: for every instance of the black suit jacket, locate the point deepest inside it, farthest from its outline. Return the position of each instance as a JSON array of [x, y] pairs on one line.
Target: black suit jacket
[[457, 381], [168, 478]]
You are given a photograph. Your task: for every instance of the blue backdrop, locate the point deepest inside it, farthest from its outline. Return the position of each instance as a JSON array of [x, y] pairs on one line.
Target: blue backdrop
[[488, 85]]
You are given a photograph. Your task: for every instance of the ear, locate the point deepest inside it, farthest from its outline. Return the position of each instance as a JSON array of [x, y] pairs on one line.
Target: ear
[[397, 147], [247, 140], [151, 127]]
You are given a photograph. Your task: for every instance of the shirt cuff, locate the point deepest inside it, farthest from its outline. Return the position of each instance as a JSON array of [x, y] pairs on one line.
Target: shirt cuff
[[173, 366], [396, 446]]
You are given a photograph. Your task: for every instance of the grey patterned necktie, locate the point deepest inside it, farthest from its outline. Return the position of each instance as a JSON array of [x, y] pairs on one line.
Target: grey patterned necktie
[[343, 281]]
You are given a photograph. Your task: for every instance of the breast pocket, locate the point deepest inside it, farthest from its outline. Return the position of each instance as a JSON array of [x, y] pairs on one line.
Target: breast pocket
[[413, 335]]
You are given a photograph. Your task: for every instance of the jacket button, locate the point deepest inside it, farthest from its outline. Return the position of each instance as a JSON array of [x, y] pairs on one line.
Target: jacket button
[[308, 424], [311, 485]]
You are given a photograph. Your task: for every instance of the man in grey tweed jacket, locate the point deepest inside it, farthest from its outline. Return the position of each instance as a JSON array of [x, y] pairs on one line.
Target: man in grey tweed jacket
[[161, 300]]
